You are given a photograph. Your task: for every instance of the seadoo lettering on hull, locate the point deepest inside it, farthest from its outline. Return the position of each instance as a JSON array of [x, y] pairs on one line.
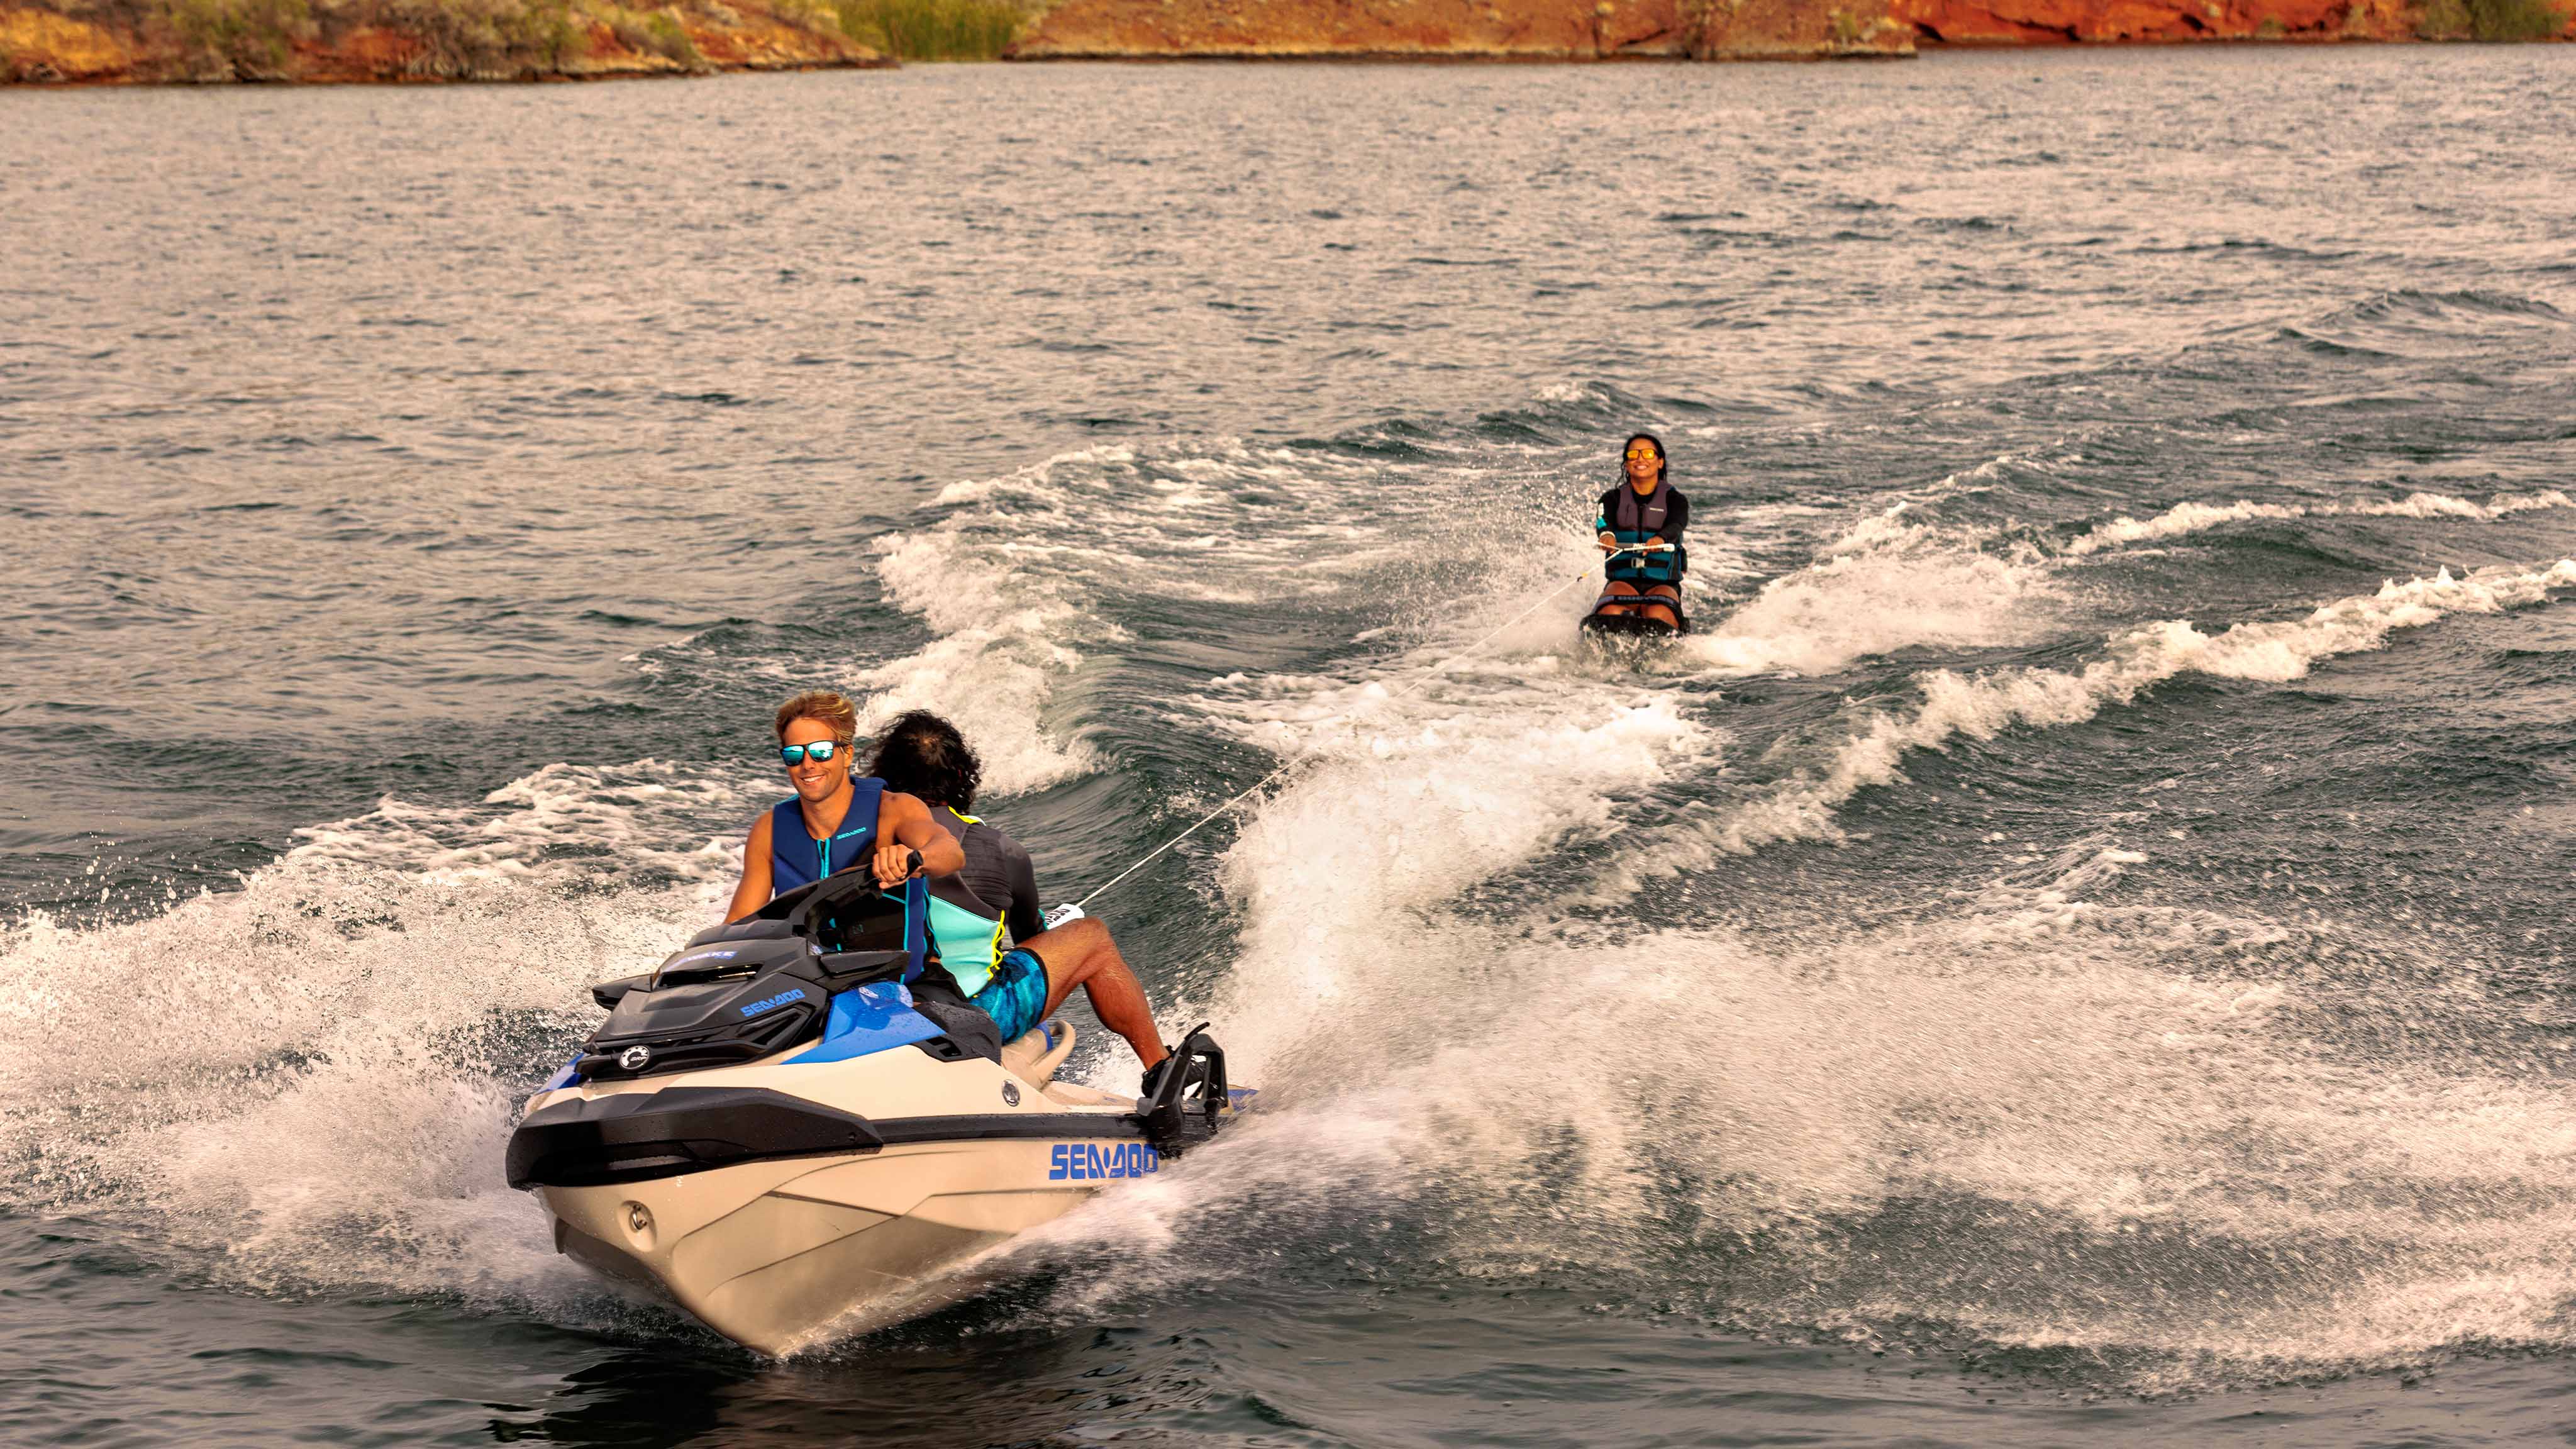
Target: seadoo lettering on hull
[[1092, 1160]]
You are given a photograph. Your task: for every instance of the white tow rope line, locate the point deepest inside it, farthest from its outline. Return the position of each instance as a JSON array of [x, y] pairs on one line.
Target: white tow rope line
[[1419, 679]]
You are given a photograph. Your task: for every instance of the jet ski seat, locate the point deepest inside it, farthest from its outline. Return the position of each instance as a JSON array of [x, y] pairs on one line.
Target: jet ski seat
[[1034, 1059]]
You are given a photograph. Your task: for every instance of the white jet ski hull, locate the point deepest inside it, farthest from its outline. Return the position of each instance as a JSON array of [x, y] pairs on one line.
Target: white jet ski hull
[[789, 1155], [777, 1253], [774, 1254]]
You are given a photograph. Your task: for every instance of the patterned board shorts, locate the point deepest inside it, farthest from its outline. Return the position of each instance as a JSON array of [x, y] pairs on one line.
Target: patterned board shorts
[[1016, 996]]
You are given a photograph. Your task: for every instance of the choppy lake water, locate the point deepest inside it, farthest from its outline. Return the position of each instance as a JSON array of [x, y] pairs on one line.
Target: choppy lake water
[[2075, 949]]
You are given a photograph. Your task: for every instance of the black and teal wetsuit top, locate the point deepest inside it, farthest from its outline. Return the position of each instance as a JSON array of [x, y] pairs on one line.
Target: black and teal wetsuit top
[[968, 912], [1632, 520]]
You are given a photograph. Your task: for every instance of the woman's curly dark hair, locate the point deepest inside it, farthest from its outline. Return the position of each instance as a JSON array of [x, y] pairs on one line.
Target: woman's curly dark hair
[[921, 754]]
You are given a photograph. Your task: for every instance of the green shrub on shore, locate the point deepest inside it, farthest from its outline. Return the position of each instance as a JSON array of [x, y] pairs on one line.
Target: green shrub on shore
[[935, 29], [251, 39], [818, 16], [657, 32], [2491, 20], [221, 39], [481, 39]]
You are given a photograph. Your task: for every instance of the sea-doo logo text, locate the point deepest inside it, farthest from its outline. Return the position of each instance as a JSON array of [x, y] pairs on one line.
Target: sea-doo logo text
[[634, 1058], [1092, 1159], [781, 999]]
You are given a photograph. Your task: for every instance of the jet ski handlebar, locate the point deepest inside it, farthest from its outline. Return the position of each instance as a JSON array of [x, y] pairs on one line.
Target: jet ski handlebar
[[846, 921]]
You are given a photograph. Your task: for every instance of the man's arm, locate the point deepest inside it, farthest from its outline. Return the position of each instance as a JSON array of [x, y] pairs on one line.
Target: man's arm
[[754, 892], [904, 826]]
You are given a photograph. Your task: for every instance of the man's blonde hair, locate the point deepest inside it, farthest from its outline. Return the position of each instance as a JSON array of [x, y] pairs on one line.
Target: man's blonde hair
[[824, 705]]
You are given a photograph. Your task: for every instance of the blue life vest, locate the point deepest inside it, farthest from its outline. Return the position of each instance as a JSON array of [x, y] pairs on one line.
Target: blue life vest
[[796, 858]]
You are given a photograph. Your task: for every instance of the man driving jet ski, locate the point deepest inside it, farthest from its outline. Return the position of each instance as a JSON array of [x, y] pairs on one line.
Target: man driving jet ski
[[834, 823], [926, 757]]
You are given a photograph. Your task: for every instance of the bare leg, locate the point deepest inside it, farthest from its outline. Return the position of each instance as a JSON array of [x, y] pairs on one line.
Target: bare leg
[[1080, 953], [1658, 612], [1616, 610]]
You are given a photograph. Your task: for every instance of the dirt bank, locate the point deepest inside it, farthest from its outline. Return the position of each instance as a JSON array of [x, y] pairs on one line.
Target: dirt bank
[[142, 41], [1738, 29]]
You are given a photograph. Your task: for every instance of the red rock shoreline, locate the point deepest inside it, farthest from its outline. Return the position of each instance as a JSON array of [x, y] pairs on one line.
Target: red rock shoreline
[[395, 43], [118, 42], [1570, 30]]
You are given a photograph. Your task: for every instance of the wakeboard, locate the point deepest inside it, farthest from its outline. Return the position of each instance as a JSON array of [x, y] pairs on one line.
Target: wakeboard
[[1630, 633]]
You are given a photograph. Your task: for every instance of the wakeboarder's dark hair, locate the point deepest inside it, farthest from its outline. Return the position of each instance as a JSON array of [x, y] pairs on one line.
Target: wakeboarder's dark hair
[[921, 754], [1663, 460]]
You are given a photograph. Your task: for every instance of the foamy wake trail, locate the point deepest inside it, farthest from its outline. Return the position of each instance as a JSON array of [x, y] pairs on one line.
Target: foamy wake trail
[[1982, 706], [1889, 583], [310, 1081], [1405, 790], [2039, 1120], [1404, 805], [991, 581], [2051, 1123], [2190, 518], [1828, 615], [992, 669], [1014, 579], [561, 822]]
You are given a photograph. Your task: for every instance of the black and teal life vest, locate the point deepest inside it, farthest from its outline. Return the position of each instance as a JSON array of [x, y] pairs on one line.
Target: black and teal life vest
[[1635, 521], [969, 939]]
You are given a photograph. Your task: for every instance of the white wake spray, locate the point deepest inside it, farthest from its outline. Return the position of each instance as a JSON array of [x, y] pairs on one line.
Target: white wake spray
[[1983, 706], [2188, 518], [308, 1082]]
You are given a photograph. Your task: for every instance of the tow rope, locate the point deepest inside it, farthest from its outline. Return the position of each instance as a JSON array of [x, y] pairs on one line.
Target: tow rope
[[1060, 914]]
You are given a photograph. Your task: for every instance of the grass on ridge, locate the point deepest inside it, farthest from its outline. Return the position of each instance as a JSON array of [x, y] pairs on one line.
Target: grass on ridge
[[2491, 20], [251, 39], [935, 29]]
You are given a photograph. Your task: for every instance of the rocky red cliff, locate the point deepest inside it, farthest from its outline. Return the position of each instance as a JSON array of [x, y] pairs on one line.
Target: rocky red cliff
[[109, 41], [1739, 29]]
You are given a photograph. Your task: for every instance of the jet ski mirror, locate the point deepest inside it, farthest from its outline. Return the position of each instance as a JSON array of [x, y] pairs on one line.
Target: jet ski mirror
[[697, 965], [609, 993]]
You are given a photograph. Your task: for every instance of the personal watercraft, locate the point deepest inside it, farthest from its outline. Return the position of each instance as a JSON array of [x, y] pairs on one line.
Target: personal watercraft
[[792, 1125]]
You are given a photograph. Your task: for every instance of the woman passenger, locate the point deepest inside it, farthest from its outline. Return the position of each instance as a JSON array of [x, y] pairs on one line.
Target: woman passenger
[[1641, 523]]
